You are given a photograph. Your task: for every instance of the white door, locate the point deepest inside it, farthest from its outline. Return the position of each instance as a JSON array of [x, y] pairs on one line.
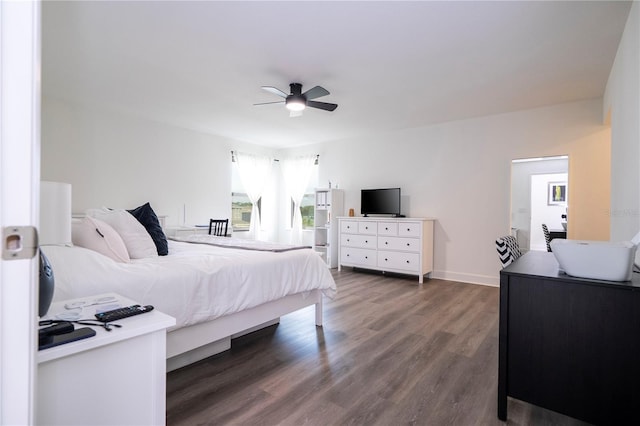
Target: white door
[[19, 194]]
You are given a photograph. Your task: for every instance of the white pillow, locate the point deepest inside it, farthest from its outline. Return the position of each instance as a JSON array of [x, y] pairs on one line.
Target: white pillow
[[139, 243], [96, 235]]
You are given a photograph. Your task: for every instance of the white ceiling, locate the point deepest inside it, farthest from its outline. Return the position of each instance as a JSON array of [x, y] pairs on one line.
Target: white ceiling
[[389, 65]]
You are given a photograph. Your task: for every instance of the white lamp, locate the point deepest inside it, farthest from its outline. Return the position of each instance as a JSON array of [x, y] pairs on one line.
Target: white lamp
[[55, 213]]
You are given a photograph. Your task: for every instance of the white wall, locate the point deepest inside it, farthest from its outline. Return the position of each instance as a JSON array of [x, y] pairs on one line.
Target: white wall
[[459, 173], [120, 161], [622, 103]]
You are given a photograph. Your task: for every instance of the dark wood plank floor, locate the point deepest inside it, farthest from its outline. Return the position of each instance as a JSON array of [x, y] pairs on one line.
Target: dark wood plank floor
[[391, 352]]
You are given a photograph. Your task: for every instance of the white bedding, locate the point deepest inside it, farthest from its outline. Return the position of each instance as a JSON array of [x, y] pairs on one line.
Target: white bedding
[[194, 283]]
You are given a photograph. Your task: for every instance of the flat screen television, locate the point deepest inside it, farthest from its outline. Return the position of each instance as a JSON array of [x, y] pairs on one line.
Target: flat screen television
[[383, 201]]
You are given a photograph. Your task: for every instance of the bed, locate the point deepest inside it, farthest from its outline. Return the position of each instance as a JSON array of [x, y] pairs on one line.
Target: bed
[[217, 288]]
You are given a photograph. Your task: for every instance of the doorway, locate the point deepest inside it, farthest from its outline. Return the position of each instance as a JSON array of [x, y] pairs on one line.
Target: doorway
[[528, 213], [548, 205]]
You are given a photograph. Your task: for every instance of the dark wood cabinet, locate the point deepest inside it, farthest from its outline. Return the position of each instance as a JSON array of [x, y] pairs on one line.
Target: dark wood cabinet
[[568, 344]]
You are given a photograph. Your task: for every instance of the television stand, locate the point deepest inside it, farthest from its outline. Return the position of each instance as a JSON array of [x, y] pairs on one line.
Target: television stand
[[383, 216], [387, 244]]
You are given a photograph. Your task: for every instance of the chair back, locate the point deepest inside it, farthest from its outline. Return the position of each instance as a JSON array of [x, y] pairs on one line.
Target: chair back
[[508, 250], [218, 227], [547, 237]]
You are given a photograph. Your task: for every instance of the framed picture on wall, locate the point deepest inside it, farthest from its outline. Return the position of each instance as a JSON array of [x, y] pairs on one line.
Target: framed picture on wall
[[557, 193]]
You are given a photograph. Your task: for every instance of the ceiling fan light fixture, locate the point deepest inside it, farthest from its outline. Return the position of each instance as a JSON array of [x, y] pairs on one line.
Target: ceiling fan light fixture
[[297, 101], [295, 104]]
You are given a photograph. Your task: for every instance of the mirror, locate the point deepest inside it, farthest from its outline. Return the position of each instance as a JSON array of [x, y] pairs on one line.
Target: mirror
[[539, 194]]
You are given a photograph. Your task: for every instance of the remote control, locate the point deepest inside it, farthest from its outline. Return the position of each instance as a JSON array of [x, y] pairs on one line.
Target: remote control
[[121, 313]]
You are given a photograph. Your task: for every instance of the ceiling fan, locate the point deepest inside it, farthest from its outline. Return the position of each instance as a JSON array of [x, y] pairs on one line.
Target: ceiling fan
[[297, 101]]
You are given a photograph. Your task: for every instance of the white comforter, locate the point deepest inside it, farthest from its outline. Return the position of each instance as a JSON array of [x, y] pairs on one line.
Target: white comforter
[[195, 282]]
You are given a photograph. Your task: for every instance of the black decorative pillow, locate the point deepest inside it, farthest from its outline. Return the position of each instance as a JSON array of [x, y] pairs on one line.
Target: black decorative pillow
[[147, 217]]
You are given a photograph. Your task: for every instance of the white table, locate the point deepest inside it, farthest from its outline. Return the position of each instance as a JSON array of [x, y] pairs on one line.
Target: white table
[[182, 231], [112, 378]]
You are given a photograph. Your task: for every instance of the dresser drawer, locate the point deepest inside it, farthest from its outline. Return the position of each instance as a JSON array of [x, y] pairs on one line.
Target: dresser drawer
[[399, 243], [409, 229], [368, 228], [349, 226], [388, 228], [357, 256], [395, 260], [361, 241]]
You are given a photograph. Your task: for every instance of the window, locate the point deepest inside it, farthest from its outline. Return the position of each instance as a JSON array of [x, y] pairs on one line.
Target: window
[[241, 211], [240, 203], [307, 210], [308, 202]]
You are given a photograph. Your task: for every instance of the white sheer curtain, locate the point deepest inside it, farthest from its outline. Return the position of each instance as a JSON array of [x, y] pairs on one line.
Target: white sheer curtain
[[296, 172], [254, 173]]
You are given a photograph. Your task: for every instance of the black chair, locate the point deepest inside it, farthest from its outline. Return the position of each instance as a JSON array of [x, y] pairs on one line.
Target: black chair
[[508, 250], [547, 236], [218, 227]]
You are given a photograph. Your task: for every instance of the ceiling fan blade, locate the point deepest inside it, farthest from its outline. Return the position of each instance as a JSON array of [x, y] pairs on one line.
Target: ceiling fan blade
[[316, 92], [322, 105], [275, 91], [269, 103]]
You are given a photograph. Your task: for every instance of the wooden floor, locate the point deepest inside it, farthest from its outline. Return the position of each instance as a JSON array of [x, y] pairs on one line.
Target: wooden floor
[[391, 352]]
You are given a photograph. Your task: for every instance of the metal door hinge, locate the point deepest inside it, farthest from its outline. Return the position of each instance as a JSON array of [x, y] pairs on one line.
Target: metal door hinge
[[19, 242]]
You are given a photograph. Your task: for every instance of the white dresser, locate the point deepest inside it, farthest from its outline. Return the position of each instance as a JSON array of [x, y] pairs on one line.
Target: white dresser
[[402, 245]]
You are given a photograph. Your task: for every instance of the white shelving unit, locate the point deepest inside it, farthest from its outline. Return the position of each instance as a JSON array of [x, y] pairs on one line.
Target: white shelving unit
[[328, 206]]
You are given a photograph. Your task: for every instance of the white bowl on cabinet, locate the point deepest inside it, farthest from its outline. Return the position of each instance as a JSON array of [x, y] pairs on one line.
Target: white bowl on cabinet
[[611, 261]]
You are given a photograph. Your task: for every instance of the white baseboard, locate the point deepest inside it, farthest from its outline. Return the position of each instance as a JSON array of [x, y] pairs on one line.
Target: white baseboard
[[488, 280]]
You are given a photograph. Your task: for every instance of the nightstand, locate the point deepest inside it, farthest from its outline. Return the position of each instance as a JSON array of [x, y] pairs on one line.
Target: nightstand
[[116, 377]]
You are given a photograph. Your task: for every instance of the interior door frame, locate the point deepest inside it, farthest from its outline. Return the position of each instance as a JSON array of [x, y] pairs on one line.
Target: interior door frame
[[520, 192], [19, 203]]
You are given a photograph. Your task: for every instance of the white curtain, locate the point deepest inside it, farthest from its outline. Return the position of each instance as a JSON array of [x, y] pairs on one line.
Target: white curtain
[[254, 173], [296, 172]]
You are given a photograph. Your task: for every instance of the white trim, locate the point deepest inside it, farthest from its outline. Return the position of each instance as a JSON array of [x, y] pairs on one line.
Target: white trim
[[19, 193], [529, 160], [467, 278]]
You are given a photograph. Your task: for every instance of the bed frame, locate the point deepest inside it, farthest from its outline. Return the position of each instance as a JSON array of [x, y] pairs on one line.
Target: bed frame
[[193, 343]]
